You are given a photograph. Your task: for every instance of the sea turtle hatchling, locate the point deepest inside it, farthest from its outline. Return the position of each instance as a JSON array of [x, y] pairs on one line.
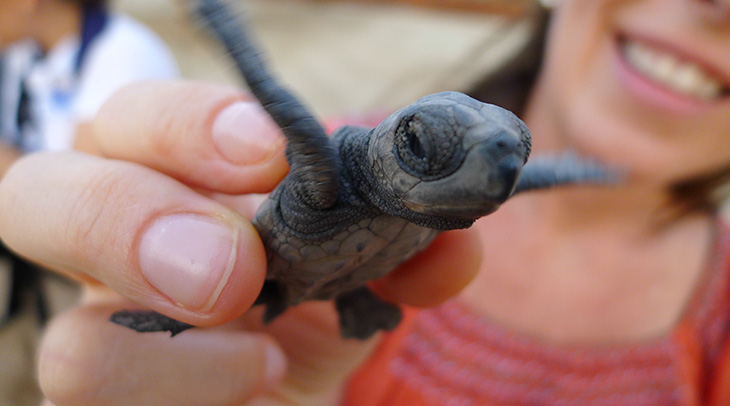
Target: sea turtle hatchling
[[356, 205]]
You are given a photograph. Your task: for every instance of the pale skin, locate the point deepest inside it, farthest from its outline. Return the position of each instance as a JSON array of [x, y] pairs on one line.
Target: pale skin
[[105, 207], [47, 22], [601, 267]]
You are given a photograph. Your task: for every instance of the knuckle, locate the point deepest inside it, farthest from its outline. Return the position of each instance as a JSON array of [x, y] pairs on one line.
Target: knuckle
[[165, 138], [100, 205]]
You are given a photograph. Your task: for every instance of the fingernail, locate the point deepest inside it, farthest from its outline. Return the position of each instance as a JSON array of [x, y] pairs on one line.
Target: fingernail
[[188, 258], [244, 134], [276, 363]]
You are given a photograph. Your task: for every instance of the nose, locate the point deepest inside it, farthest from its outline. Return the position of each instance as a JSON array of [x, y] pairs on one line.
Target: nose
[[502, 145], [508, 170]]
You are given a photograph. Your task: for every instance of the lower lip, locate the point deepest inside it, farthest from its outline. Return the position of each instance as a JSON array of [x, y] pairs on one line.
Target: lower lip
[[652, 93]]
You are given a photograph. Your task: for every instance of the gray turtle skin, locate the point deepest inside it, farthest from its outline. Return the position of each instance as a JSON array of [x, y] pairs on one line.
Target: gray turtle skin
[[356, 205], [435, 165]]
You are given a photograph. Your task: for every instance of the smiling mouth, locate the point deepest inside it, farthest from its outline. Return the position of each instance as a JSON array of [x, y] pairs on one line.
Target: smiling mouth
[[671, 71]]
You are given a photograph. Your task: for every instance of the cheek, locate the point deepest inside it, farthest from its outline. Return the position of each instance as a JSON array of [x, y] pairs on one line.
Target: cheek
[[597, 117], [577, 28], [578, 33], [602, 120], [702, 146], [8, 34], [14, 26], [656, 150]]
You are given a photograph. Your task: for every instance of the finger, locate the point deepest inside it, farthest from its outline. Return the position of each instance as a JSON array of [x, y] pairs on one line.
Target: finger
[[207, 136], [148, 237], [85, 360], [320, 361], [436, 274]]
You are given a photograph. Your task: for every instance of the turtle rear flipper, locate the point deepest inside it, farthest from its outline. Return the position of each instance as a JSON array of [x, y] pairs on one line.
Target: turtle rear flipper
[[148, 321]]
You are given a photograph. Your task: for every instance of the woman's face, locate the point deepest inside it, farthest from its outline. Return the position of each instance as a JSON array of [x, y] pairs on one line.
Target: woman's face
[[643, 84], [15, 21]]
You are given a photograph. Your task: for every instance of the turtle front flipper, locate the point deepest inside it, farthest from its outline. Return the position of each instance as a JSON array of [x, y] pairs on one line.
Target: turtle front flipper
[[314, 162], [567, 169], [148, 321], [271, 297], [362, 314]]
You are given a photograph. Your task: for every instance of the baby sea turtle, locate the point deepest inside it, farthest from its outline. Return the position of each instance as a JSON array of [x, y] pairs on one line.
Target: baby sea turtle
[[356, 205]]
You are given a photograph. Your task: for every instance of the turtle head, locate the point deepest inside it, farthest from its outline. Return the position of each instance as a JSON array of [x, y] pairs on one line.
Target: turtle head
[[449, 156]]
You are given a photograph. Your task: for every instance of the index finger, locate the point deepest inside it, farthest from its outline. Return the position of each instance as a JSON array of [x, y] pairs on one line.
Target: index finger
[[206, 136], [433, 276], [143, 234]]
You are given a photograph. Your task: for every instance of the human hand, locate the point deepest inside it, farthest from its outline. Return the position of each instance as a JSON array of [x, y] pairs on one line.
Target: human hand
[[130, 224]]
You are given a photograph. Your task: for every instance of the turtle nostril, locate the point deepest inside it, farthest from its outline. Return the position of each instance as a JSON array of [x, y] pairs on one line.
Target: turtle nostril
[[502, 144], [508, 171]]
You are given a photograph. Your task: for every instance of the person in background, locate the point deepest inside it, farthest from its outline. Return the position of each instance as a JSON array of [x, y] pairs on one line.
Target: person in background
[[59, 61], [586, 295]]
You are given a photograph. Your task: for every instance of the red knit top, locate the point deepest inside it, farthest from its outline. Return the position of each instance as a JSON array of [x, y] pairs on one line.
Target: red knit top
[[451, 356]]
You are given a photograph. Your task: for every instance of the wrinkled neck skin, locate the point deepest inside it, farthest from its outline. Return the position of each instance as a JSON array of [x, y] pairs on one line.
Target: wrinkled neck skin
[[636, 206]]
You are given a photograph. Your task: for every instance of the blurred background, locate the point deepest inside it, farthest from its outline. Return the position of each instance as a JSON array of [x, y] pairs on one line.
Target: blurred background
[[343, 57], [354, 55]]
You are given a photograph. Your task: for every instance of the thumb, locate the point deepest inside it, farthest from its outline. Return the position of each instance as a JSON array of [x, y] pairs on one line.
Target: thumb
[[143, 234]]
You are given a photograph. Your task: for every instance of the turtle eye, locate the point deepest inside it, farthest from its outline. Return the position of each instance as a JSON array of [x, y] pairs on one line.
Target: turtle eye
[[428, 145], [411, 147], [414, 144]]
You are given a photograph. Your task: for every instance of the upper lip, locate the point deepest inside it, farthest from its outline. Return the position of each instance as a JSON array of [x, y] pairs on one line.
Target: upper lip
[[685, 52]]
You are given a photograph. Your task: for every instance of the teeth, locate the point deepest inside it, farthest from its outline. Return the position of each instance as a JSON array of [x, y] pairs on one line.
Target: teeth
[[681, 76]]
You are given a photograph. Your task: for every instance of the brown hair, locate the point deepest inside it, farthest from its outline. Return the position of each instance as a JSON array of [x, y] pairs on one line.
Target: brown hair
[[510, 88]]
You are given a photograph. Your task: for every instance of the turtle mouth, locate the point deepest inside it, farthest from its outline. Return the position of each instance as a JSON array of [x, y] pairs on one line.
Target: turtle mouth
[[470, 196], [464, 210], [673, 71]]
